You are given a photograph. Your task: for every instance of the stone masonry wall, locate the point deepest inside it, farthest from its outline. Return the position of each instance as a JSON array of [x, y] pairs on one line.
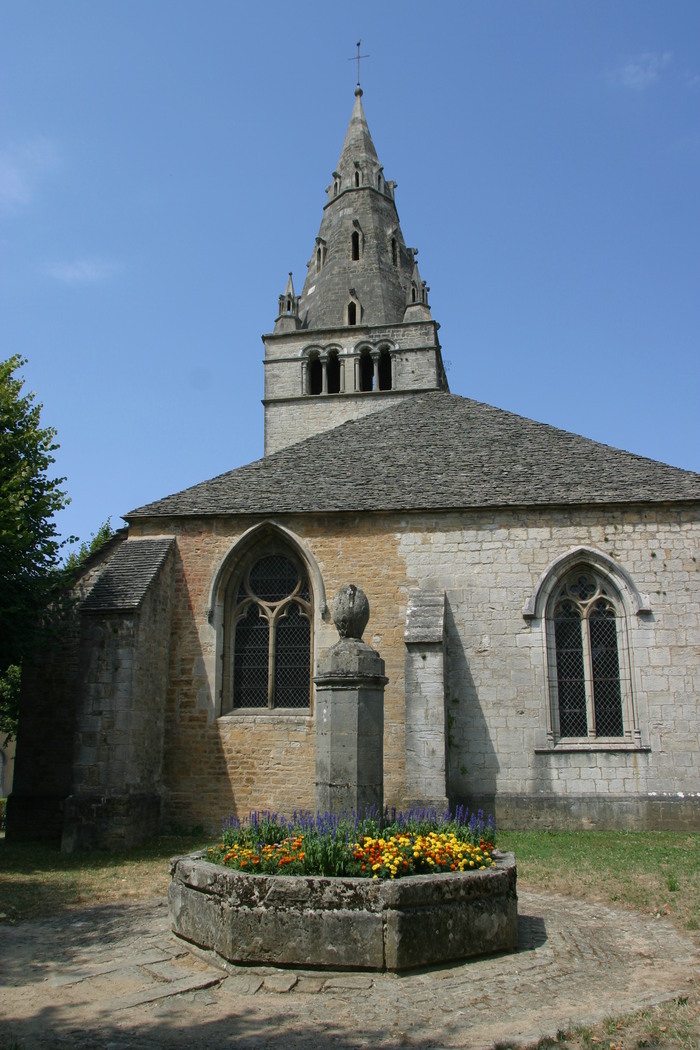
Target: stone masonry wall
[[46, 735], [119, 741], [488, 564], [287, 422]]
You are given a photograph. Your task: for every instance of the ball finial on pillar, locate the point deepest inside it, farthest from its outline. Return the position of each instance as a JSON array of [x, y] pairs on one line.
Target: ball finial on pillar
[[350, 611]]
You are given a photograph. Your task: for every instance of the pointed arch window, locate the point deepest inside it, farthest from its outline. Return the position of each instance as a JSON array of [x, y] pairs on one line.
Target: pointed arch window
[[355, 245], [588, 659], [267, 654], [357, 178], [394, 252], [352, 313]]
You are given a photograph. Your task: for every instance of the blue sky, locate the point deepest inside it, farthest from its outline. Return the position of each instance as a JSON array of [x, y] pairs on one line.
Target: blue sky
[[163, 167]]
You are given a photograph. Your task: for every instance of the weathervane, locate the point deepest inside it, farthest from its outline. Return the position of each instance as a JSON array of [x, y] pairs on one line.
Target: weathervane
[[356, 58]]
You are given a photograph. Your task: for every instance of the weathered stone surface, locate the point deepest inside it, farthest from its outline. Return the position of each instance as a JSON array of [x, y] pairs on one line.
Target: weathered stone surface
[[350, 715], [350, 611], [358, 924]]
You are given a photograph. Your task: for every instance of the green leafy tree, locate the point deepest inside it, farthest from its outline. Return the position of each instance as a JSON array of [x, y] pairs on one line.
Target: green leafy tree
[[9, 702], [76, 559], [29, 544]]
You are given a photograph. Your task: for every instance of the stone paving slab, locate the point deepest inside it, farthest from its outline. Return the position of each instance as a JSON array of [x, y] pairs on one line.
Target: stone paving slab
[[113, 977]]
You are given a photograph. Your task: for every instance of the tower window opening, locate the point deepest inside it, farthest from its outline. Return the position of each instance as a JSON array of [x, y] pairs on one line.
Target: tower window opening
[[394, 252], [385, 370], [333, 373], [318, 259], [413, 293], [379, 181], [357, 178], [355, 246], [366, 372], [352, 313], [315, 376]]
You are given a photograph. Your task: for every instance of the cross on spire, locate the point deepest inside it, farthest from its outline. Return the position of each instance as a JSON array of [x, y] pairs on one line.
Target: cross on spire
[[356, 58]]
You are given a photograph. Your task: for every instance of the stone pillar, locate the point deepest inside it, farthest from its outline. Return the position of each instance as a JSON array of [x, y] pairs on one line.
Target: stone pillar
[[426, 721], [350, 714], [375, 366]]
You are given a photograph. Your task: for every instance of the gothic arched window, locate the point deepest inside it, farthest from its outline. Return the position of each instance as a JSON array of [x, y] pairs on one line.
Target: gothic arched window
[[267, 653], [587, 655], [355, 239], [352, 313]]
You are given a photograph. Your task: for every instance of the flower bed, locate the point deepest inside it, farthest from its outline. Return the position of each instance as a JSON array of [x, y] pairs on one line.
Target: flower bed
[[377, 918], [391, 845]]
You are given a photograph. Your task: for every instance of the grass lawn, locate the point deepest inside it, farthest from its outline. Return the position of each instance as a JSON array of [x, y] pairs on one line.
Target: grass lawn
[[655, 873]]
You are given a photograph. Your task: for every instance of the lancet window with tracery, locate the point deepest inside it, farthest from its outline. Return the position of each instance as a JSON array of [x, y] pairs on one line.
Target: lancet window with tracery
[[269, 635], [587, 665]]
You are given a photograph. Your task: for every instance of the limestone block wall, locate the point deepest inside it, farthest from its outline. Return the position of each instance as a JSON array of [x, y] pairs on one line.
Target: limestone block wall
[[291, 414], [497, 682], [213, 765], [43, 772], [287, 422], [125, 656], [488, 564], [117, 774]]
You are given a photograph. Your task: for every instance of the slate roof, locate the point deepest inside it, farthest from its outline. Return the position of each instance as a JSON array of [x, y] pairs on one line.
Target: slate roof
[[433, 451], [125, 581]]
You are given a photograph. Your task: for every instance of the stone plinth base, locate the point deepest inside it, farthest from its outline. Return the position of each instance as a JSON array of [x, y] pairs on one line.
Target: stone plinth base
[[344, 924]]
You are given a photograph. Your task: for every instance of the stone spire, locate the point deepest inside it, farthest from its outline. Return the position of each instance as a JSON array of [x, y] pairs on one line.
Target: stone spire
[[361, 272], [360, 336], [288, 316]]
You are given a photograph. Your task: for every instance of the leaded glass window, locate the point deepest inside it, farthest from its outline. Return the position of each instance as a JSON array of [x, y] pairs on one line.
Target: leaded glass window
[[269, 650], [586, 625]]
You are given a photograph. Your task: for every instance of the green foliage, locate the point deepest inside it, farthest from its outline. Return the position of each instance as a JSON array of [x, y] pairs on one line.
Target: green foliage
[[9, 702], [29, 500], [76, 559]]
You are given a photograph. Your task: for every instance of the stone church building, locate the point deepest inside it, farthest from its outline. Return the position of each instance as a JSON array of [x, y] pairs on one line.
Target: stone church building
[[534, 594]]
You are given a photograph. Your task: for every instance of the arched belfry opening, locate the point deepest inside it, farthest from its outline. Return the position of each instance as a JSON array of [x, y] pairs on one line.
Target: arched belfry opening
[[315, 375], [333, 372], [366, 372], [352, 313], [384, 370], [355, 245]]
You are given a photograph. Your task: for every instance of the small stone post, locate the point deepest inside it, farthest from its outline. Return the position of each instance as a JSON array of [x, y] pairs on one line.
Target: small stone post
[[350, 713]]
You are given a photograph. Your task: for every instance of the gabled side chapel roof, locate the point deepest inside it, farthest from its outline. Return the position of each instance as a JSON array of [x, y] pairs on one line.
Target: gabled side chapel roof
[[433, 451], [124, 583]]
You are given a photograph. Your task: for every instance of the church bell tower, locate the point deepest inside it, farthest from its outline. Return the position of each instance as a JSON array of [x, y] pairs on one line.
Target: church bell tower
[[360, 336]]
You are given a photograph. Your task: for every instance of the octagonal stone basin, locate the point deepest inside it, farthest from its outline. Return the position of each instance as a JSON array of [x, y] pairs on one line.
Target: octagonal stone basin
[[343, 923]]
